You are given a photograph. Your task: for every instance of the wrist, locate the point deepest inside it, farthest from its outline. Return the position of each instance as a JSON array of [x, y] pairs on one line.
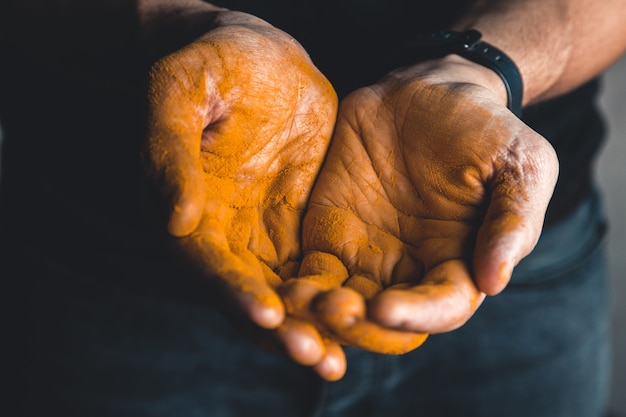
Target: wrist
[[454, 70], [467, 45]]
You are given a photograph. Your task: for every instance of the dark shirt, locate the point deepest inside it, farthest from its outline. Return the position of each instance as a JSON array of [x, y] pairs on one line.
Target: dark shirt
[[351, 41]]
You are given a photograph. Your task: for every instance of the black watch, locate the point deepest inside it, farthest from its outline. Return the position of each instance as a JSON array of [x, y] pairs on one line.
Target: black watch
[[468, 45]]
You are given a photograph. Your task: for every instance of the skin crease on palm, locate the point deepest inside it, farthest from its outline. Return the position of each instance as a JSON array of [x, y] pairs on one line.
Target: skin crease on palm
[[429, 196], [239, 124]]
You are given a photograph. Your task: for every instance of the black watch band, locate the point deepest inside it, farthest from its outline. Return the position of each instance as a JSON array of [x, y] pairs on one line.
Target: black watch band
[[468, 45]]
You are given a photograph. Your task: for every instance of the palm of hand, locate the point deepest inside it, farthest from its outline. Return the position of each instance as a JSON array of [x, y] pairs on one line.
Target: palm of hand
[[406, 199], [417, 183]]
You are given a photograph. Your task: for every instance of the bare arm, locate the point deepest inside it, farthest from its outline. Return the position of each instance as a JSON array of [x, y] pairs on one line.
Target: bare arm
[[556, 44]]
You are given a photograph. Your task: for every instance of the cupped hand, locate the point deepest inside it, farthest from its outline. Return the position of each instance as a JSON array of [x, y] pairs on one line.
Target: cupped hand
[[431, 193], [239, 123]]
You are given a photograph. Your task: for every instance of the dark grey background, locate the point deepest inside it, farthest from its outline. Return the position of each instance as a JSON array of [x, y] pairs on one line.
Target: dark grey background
[[612, 173]]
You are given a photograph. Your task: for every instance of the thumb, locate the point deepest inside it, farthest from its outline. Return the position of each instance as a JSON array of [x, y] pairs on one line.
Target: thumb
[[184, 192], [520, 193], [182, 102]]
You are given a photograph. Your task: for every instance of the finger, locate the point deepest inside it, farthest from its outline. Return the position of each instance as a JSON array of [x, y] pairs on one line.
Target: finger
[[445, 299], [297, 295], [303, 344], [332, 367], [343, 312], [181, 103], [365, 286], [176, 173], [319, 272], [324, 267], [520, 194], [253, 297], [301, 341], [186, 192], [239, 285]]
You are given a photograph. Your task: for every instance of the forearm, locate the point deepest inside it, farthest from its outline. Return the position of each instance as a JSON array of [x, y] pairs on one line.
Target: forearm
[[557, 44]]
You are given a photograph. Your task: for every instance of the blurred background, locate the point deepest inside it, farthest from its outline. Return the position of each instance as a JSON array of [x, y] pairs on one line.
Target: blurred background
[[612, 176]]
